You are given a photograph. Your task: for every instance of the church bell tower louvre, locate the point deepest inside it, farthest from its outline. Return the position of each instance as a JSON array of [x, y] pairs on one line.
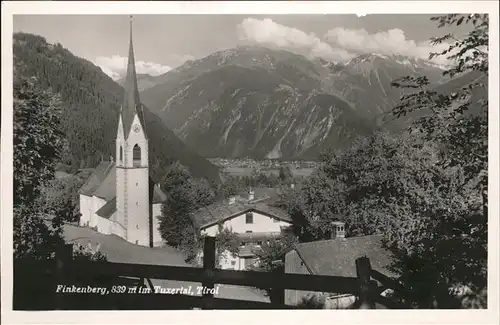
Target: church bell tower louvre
[[132, 168]]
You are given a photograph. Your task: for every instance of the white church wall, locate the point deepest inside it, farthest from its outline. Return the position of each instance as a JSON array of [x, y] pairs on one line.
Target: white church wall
[[138, 206], [120, 174], [103, 225], [117, 229], [138, 188], [120, 198], [85, 209], [157, 240], [97, 203]]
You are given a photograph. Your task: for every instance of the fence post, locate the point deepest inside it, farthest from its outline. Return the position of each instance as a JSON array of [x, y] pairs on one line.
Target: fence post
[[363, 270], [278, 291], [63, 257], [208, 266]]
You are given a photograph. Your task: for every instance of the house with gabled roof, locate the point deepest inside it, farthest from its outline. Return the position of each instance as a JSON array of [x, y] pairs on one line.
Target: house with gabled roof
[[334, 257], [120, 197], [254, 219]]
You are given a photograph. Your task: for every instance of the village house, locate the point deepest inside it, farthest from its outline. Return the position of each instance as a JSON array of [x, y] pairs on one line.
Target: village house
[[334, 257], [120, 197], [253, 217]]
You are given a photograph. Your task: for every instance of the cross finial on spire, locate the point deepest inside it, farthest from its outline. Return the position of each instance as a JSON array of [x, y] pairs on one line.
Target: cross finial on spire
[[130, 19]]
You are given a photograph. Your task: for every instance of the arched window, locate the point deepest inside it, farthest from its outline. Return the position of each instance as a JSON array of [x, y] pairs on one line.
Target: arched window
[[136, 154], [121, 154]]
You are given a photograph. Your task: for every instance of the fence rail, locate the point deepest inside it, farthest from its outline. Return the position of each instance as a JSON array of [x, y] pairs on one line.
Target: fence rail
[[65, 270]]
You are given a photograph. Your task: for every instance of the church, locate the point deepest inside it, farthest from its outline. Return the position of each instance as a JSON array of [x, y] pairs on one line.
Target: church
[[120, 198]]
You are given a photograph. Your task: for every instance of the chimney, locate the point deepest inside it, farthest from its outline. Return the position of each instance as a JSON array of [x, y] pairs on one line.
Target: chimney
[[251, 195], [232, 200], [338, 230]]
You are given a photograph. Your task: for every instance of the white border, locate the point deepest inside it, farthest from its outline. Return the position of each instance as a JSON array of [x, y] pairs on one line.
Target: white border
[[489, 316]]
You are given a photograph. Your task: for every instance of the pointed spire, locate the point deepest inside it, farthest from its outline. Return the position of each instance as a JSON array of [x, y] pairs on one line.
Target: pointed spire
[[131, 101]]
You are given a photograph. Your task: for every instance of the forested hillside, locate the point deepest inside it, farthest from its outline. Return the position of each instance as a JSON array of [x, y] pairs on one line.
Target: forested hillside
[[91, 101]]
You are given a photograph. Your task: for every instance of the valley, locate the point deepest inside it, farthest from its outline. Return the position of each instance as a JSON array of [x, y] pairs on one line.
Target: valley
[[253, 101], [249, 167]]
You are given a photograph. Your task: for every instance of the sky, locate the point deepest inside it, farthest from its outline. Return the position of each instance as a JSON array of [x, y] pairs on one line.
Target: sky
[[163, 42]]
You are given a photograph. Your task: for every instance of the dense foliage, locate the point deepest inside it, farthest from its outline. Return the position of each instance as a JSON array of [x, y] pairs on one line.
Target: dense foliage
[[38, 139], [81, 252], [185, 194], [271, 257], [59, 197], [89, 116], [424, 191], [38, 143]]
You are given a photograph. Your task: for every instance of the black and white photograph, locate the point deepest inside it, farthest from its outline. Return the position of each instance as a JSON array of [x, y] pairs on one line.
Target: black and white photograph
[[230, 161]]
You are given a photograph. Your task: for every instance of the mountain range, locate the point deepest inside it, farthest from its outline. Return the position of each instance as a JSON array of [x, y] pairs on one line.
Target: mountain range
[[91, 102], [258, 102], [248, 101]]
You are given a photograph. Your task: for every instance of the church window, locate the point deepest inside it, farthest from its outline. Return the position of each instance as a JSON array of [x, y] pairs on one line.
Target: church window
[[136, 154], [121, 154]]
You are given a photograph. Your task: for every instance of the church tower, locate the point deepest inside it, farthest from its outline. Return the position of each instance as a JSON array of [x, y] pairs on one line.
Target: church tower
[[132, 169]]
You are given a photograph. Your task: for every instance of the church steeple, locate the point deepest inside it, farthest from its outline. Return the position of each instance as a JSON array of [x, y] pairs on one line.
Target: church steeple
[[131, 101]]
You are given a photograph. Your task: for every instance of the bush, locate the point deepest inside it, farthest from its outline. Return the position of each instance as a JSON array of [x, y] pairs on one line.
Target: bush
[[81, 252]]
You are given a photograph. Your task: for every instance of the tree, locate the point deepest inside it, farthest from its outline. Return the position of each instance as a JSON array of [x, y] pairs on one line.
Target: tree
[[34, 238], [38, 142], [38, 139], [59, 198], [184, 195], [231, 185], [285, 174], [458, 124], [273, 251]]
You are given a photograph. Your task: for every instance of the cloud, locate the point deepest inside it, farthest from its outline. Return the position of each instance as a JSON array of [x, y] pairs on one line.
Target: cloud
[[390, 42], [267, 32], [338, 44], [179, 59], [116, 65]]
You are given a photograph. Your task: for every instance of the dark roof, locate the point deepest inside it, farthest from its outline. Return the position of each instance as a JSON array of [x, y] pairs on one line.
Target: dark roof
[[337, 256], [98, 175], [107, 189], [102, 183], [107, 210], [131, 101], [217, 212]]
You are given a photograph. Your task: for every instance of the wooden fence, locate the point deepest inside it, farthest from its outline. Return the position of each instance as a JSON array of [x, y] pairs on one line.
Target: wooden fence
[[36, 283]]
